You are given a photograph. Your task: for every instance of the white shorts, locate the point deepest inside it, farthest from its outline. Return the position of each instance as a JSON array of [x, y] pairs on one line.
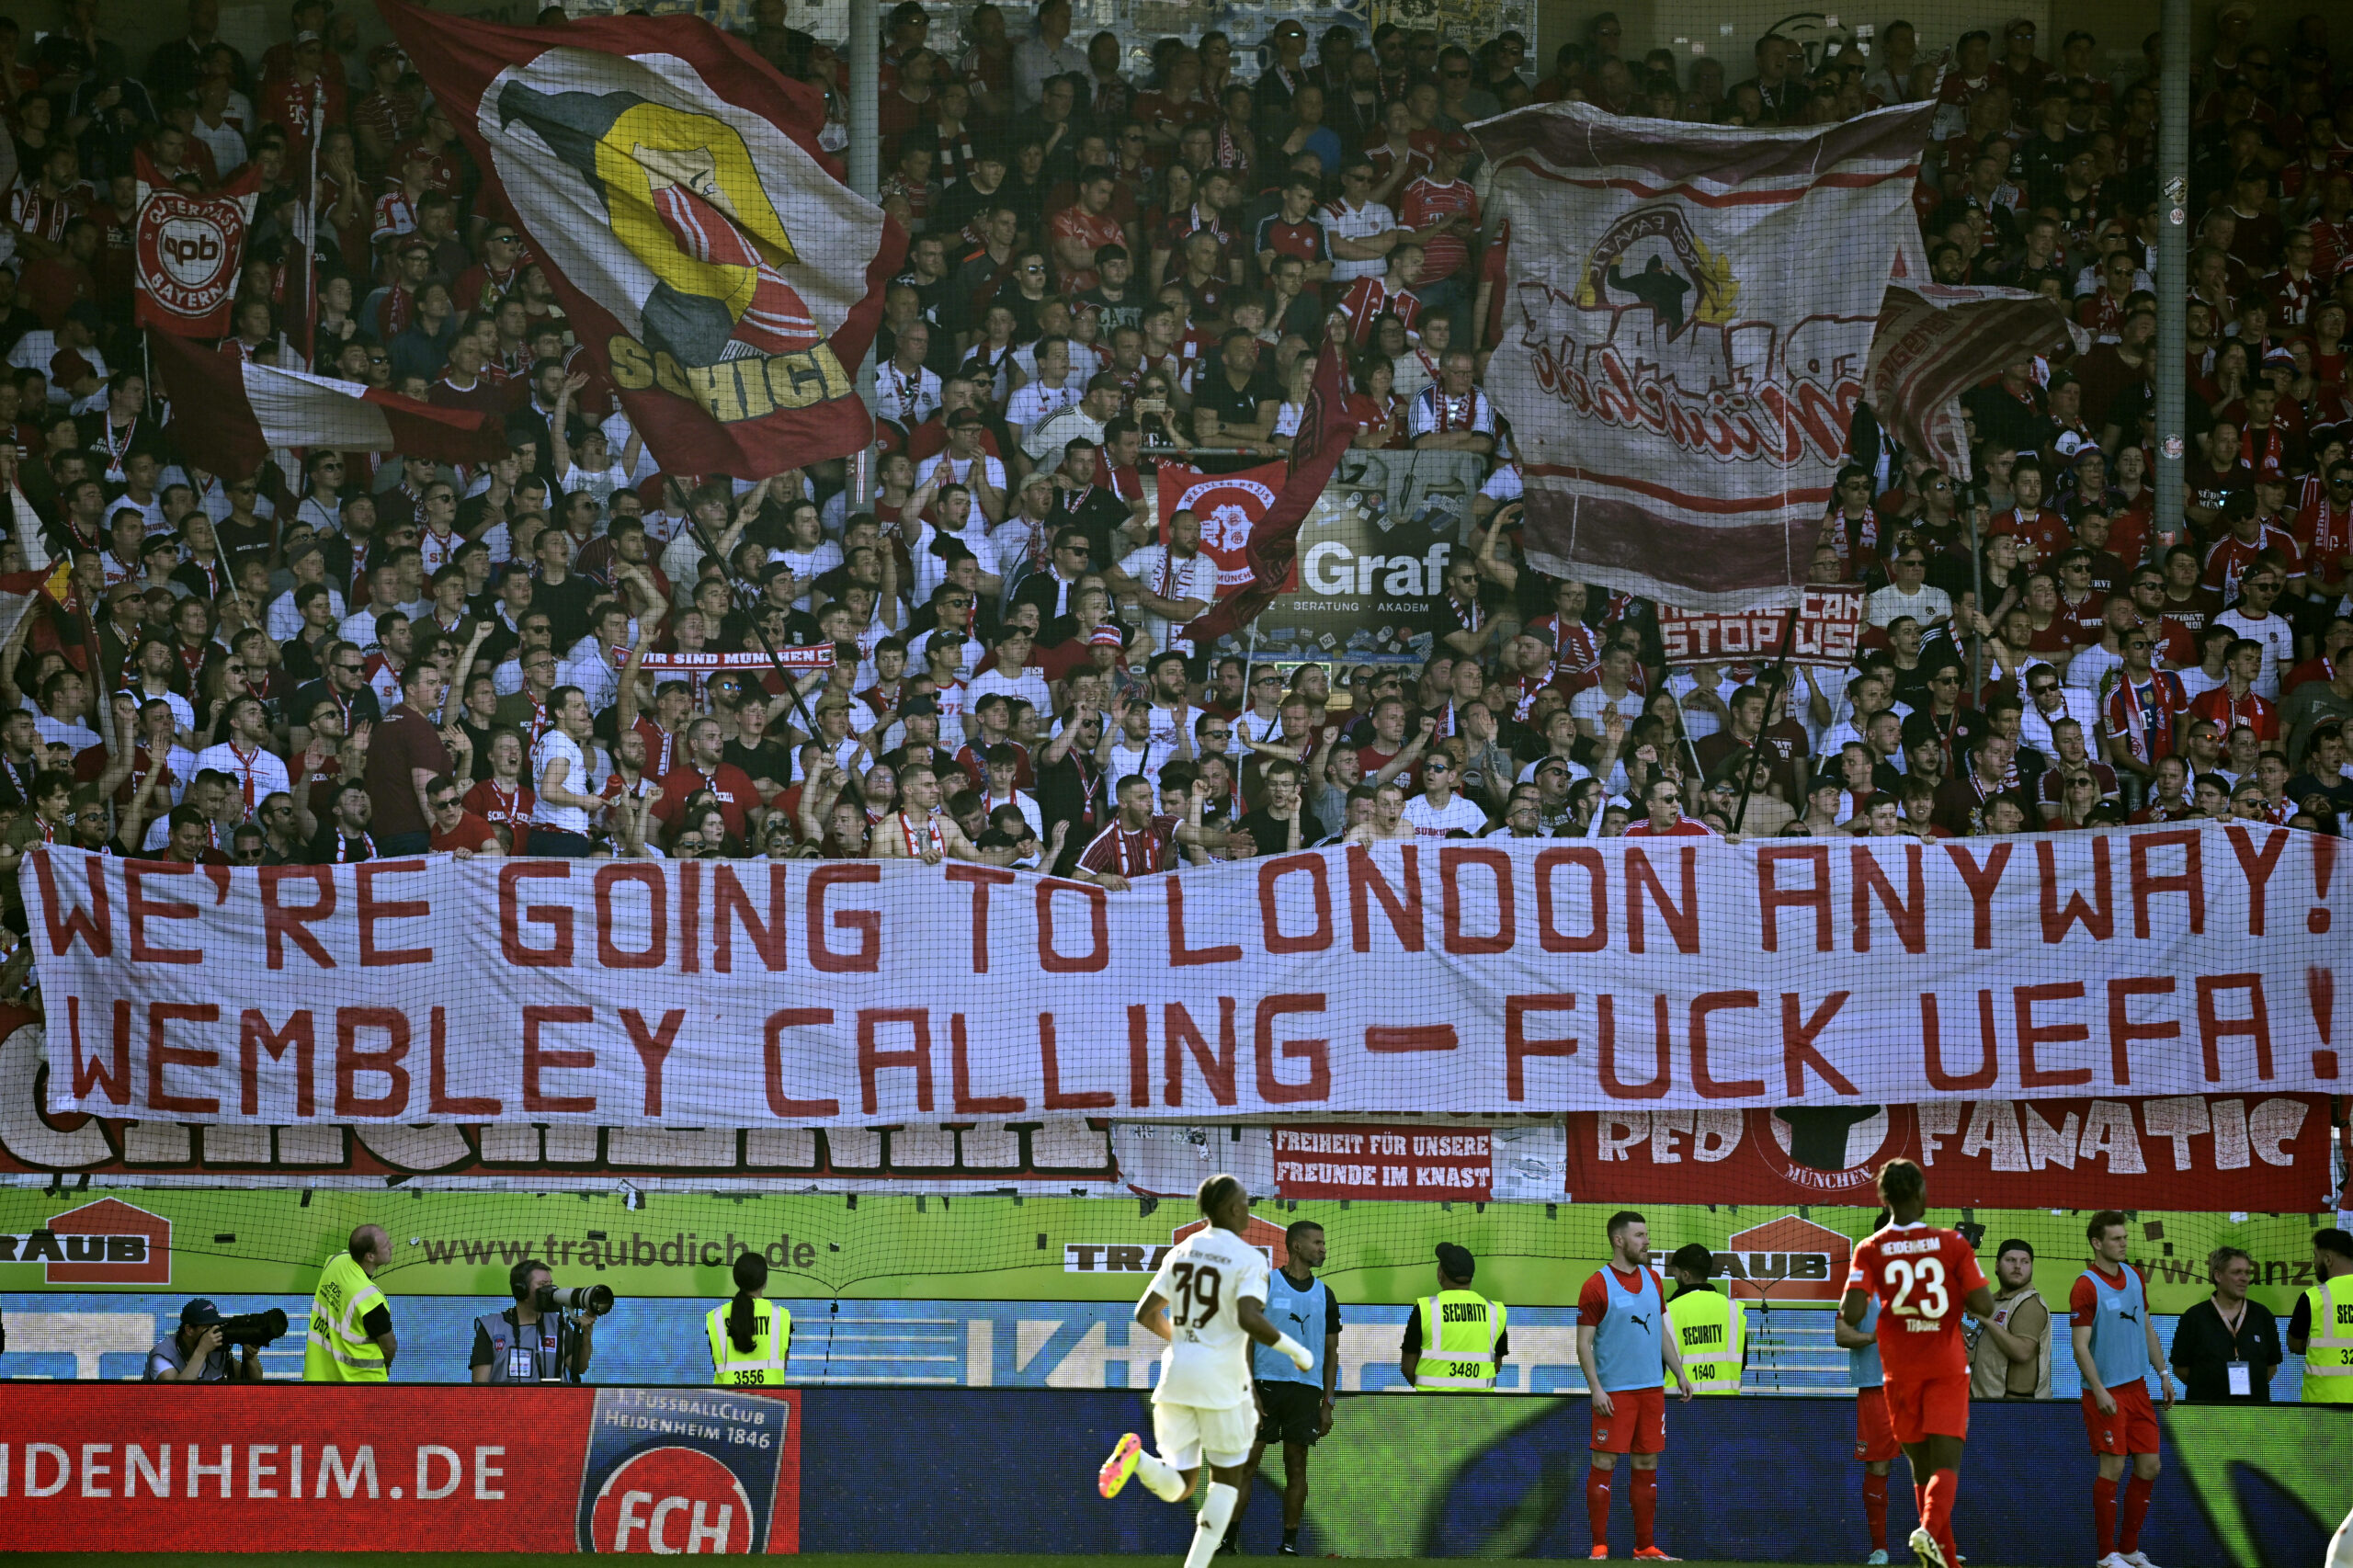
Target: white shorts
[[1184, 1433]]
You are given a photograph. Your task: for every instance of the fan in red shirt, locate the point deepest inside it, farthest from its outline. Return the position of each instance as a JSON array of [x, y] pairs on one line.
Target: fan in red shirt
[[2027, 519], [734, 791], [1924, 1276], [1441, 209], [455, 830], [1664, 798], [1137, 840]]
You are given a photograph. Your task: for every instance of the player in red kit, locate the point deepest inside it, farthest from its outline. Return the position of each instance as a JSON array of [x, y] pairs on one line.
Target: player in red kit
[[1924, 1276]]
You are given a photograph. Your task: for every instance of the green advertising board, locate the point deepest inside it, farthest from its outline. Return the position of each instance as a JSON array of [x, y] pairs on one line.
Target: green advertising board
[[997, 1247]]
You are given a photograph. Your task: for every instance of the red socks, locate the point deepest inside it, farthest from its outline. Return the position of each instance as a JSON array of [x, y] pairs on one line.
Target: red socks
[[2136, 1508], [2103, 1516], [1646, 1500], [1597, 1503], [1943, 1490], [1875, 1508]]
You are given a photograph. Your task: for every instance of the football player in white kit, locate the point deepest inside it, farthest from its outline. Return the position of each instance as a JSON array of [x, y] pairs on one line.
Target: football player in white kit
[[1208, 1301]]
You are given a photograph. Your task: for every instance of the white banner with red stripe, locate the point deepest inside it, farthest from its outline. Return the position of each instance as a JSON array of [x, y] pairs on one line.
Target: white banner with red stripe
[[1689, 311], [1464, 977]]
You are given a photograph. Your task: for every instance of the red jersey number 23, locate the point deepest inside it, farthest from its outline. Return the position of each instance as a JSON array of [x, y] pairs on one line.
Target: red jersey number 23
[[1919, 1287]]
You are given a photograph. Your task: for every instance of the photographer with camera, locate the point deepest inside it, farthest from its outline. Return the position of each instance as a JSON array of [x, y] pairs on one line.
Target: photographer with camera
[[197, 1351], [538, 1340]]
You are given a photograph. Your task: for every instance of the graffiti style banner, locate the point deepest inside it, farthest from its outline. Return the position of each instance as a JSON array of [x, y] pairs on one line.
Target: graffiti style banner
[[1829, 628], [120, 1468], [2269, 1153], [1418, 978], [1680, 373]]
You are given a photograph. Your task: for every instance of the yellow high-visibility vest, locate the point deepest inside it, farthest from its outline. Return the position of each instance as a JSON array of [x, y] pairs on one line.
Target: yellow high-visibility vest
[[1459, 1333], [1711, 1331], [338, 1349], [763, 1365], [2329, 1353]]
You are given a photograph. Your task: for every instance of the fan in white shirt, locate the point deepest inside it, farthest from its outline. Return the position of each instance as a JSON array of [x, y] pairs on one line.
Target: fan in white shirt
[[1437, 810], [1173, 583], [1054, 389], [903, 390], [253, 771], [1012, 673]]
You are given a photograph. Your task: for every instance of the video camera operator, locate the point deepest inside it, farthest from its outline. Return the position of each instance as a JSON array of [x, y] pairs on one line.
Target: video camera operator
[[196, 1353], [534, 1341]]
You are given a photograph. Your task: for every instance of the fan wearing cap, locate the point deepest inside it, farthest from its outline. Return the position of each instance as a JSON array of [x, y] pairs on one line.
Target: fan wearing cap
[[1454, 1339], [193, 1352], [306, 97]]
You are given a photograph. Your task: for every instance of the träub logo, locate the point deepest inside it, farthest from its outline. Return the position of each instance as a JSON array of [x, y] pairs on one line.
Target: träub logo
[[1785, 1260], [106, 1243]]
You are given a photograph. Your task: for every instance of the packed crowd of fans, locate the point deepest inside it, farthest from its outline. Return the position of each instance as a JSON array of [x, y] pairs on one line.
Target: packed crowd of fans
[[355, 655]]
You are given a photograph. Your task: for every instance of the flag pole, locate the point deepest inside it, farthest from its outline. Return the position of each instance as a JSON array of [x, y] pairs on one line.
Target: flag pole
[[791, 687], [1775, 681], [865, 167], [307, 232]]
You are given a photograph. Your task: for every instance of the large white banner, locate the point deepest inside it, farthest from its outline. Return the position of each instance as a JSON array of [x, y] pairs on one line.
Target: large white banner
[[1468, 977], [1690, 310]]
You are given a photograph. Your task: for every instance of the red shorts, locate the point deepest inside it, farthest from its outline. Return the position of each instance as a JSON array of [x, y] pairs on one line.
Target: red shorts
[[1636, 1426], [1874, 1433], [2132, 1430], [1928, 1407]]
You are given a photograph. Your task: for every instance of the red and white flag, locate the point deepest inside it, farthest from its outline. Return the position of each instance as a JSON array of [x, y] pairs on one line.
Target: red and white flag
[[1681, 367], [1269, 538], [1230, 507], [186, 250], [238, 410], [1936, 340], [670, 182]]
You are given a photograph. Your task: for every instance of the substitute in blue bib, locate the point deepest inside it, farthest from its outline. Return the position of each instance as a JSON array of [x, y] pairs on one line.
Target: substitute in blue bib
[[1455, 1339], [1875, 1445], [1295, 1403], [1710, 1327], [1623, 1343]]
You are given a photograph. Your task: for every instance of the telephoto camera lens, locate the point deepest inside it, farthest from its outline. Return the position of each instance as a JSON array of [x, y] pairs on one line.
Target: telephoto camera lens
[[254, 1328], [593, 1300]]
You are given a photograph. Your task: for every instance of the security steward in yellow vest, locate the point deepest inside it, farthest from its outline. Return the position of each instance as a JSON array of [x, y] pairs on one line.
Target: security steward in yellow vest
[[2322, 1329], [1711, 1328], [1455, 1339], [749, 1336], [351, 1336]]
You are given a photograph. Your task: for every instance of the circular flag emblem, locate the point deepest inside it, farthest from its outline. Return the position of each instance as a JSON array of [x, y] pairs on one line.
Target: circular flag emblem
[[670, 1501], [188, 250], [1829, 1150], [1229, 505]]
